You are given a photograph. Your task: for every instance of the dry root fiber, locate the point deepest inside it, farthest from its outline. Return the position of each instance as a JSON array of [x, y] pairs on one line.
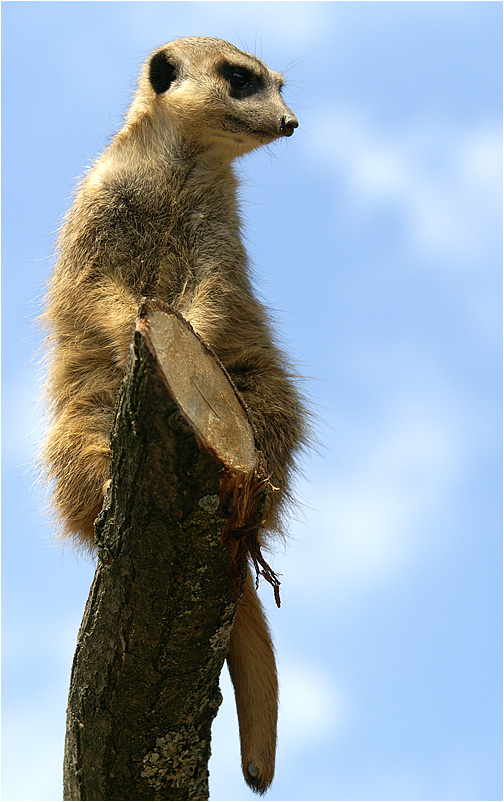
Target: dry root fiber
[[242, 498]]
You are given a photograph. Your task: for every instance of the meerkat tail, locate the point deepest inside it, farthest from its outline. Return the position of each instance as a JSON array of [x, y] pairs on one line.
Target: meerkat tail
[[251, 663]]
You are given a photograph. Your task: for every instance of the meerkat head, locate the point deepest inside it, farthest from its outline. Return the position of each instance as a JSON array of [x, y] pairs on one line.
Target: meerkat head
[[214, 96]]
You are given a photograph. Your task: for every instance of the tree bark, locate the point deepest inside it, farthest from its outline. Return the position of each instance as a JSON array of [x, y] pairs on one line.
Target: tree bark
[[186, 493]]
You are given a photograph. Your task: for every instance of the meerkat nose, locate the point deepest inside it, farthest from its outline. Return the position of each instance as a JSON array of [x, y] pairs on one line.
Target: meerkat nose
[[287, 126]]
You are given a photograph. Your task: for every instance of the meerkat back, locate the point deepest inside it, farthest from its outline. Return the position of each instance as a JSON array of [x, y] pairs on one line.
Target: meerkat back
[[157, 216]]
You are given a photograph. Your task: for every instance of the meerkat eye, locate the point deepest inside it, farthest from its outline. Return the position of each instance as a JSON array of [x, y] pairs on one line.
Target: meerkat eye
[[242, 81]]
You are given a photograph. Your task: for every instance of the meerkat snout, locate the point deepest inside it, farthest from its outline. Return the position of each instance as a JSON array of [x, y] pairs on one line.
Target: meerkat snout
[[287, 126]]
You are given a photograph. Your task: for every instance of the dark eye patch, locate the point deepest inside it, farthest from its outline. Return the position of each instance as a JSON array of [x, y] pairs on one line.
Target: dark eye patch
[[242, 81]]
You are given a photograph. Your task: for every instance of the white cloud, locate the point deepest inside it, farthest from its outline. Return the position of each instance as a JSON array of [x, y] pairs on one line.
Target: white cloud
[[246, 25], [377, 519], [311, 706], [444, 180], [22, 410], [375, 510]]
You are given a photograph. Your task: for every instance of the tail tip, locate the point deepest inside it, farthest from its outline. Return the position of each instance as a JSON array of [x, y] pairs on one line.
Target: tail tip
[[256, 779]]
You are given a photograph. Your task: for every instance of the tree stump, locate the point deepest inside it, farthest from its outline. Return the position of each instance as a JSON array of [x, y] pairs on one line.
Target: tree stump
[[185, 498]]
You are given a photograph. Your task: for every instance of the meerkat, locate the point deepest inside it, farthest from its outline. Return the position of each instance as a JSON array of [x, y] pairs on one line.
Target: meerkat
[[157, 216]]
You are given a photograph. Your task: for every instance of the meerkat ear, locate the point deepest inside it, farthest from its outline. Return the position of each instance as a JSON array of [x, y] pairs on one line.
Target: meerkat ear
[[162, 72]]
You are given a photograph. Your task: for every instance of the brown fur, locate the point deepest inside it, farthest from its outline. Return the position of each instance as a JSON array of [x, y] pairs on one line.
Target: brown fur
[[157, 215]]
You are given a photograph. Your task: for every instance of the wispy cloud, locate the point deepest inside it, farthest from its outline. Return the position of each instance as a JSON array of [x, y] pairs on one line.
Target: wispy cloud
[[377, 519], [311, 704], [443, 180]]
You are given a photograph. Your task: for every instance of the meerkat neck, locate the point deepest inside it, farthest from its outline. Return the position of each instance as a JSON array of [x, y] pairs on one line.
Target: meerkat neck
[[150, 131], [204, 175]]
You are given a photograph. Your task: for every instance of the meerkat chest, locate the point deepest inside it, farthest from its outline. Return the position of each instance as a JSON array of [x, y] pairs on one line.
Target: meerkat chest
[[196, 248], [163, 231], [200, 234]]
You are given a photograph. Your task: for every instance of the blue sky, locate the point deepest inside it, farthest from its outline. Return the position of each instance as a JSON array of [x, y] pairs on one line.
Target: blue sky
[[375, 235]]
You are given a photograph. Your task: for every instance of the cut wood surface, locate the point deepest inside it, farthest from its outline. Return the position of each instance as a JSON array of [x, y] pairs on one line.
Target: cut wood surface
[[155, 632], [197, 382]]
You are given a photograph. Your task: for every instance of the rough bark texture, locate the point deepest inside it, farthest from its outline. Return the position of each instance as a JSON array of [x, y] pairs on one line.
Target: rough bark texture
[[155, 632]]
